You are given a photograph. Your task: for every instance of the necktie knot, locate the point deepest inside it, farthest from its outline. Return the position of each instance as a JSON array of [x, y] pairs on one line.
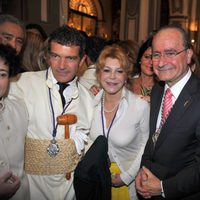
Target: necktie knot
[[62, 87], [167, 104]]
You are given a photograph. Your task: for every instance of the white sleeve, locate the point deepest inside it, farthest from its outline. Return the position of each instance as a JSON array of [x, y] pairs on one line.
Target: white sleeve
[[79, 138]]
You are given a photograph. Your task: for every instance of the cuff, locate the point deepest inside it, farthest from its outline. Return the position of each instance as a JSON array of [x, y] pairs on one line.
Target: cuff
[[79, 138], [162, 190], [126, 178]]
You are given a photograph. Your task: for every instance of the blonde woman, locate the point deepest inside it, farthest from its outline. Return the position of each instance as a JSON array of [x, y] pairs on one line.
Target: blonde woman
[[123, 118]]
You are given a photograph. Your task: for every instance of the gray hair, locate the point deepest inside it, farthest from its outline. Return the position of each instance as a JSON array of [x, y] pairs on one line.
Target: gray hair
[[10, 18]]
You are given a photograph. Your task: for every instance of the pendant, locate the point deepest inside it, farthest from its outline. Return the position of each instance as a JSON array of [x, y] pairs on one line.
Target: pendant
[[155, 136], [53, 148]]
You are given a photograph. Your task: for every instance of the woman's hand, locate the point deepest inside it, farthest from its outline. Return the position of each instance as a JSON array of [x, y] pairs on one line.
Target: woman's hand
[[116, 180], [94, 89]]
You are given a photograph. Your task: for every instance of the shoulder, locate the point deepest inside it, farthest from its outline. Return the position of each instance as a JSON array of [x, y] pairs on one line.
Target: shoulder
[[135, 100], [32, 75], [15, 105], [83, 91], [136, 85], [29, 78]]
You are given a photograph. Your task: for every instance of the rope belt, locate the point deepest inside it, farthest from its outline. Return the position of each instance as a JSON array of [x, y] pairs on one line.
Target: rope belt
[[38, 161]]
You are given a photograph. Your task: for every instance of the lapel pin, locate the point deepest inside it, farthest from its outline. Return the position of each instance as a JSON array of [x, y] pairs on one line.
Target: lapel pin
[[186, 103]]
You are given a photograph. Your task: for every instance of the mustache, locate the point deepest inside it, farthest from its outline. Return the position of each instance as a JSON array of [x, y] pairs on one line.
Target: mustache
[[165, 67]]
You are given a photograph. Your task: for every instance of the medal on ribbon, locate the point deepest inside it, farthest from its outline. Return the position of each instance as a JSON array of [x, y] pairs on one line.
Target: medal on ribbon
[[53, 148]]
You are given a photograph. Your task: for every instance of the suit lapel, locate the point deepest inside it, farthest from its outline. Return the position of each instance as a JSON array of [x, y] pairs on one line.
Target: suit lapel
[[181, 105], [156, 100], [155, 106]]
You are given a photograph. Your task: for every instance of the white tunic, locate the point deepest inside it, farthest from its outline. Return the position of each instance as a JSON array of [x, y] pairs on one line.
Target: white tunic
[[34, 87], [88, 79], [13, 129]]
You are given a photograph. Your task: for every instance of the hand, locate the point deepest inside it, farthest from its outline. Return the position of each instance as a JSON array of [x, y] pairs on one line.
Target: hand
[[116, 180], [9, 184], [147, 184], [140, 178], [94, 89]]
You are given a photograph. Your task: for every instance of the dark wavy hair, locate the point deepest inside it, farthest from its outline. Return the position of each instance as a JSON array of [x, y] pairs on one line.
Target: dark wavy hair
[[94, 46], [8, 55], [68, 36], [142, 49]]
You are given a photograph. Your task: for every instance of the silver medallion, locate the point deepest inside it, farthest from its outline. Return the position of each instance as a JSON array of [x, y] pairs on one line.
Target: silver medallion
[[53, 148]]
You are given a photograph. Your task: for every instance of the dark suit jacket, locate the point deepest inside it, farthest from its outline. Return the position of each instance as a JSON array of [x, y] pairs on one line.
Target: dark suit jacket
[[92, 178], [176, 156]]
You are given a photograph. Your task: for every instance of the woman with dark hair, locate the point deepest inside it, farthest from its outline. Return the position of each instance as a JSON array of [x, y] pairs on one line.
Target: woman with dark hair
[[144, 79]]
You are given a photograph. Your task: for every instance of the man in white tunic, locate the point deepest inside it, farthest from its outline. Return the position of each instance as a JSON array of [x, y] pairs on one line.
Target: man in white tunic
[[49, 156], [13, 128]]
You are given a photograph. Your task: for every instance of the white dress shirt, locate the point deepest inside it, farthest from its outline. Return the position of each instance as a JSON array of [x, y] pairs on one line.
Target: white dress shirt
[[175, 90], [128, 134]]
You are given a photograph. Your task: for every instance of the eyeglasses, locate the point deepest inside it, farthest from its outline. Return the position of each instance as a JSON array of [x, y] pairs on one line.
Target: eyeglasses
[[168, 54]]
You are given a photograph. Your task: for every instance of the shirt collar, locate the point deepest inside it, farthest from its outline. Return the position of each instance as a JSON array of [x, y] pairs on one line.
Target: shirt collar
[[177, 88], [51, 80]]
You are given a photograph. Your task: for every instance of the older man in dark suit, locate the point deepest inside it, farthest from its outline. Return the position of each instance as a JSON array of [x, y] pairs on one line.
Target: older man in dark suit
[[171, 160]]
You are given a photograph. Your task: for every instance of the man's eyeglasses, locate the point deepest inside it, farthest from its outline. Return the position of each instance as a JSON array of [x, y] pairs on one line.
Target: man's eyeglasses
[[167, 54]]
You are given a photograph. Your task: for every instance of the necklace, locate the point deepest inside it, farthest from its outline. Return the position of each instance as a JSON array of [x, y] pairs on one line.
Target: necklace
[[106, 110], [102, 120]]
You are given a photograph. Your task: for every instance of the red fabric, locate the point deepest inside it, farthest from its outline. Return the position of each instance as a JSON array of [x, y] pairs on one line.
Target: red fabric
[[167, 104]]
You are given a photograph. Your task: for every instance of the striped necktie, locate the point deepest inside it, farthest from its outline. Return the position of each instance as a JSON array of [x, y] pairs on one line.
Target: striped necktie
[[167, 104]]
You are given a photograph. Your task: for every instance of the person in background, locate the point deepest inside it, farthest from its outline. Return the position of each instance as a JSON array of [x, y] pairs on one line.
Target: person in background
[[37, 29], [13, 33], [83, 65], [94, 45], [171, 160], [194, 64], [131, 48], [32, 48], [144, 78], [50, 95], [122, 117], [42, 61], [13, 127]]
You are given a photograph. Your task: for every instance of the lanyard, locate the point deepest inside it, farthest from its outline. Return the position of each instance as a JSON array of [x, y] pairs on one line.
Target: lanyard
[[55, 125], [102, 120]]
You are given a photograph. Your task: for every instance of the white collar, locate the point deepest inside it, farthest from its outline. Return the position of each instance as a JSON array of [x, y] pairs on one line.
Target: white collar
[[177, 88]]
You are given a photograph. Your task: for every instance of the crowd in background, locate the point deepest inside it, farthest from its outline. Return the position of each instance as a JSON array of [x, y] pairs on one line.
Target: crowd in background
[[60, 92]]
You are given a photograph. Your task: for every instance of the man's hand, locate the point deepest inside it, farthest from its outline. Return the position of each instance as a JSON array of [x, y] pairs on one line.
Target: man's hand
[[139, 180], [147, 184], [9, 184]]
